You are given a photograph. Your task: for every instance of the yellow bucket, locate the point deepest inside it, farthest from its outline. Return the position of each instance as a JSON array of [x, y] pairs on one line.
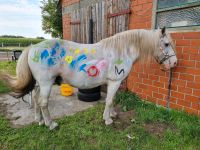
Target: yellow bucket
[[66, 90]]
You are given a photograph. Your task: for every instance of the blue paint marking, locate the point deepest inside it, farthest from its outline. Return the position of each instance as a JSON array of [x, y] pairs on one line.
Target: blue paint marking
[[53, 52], [63, 52], [54, 49], [82, 57], [73, 63], [82, 68], [50, 62], [57, 45], [44, 54]]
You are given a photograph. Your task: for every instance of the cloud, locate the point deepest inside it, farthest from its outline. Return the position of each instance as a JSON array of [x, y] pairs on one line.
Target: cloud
[[20, 9], [21, 17]]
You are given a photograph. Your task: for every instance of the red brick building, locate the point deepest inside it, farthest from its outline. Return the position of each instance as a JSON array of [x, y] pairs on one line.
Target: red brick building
[[183, 20]]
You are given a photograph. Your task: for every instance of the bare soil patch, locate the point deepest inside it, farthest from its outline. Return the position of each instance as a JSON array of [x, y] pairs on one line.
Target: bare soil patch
[[158, 129], [123, 119]]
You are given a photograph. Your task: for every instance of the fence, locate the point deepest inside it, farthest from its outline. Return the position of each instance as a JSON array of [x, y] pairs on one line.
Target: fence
[[7, 51], [14, 44], [6, 55]]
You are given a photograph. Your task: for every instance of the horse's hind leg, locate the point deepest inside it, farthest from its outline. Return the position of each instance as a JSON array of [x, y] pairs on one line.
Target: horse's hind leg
[[45, 89], [112, 89], [38, 112]]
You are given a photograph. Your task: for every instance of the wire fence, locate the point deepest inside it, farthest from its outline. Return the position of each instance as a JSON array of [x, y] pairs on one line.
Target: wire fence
[[14, 44]]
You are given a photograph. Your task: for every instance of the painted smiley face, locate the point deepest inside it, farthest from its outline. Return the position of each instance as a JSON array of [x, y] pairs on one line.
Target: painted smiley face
[[69, 59]]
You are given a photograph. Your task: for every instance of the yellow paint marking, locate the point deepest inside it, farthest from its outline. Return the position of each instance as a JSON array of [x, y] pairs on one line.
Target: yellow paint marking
[[69, 59]]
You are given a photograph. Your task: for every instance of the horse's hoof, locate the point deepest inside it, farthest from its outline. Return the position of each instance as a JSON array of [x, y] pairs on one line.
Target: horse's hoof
[[113, 114], [108, 121], [53, 125], [41, 122]]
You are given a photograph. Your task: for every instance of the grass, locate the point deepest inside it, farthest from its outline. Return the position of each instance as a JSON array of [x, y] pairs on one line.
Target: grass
[[86, 130], [10, 68], [10, 48]]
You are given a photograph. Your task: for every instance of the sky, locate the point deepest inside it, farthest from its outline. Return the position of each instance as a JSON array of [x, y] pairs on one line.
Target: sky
[[21, 17]]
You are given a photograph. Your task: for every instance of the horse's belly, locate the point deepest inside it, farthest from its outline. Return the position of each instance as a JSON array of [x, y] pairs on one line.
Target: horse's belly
[[84, 81]]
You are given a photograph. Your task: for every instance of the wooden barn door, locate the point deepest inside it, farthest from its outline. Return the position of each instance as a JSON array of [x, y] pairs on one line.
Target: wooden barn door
[[109, 17]]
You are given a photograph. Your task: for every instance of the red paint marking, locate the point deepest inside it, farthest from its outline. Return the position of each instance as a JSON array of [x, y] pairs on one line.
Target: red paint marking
[[91, 73]]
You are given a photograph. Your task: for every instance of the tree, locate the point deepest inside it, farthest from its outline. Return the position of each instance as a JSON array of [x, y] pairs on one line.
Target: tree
[[40, 37], [52, 18]]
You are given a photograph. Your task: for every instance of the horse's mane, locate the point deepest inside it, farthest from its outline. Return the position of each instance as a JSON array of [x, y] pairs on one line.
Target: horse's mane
[[145, 42]]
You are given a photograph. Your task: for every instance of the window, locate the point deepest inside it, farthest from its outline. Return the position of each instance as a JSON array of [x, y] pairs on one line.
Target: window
[[177, 13]]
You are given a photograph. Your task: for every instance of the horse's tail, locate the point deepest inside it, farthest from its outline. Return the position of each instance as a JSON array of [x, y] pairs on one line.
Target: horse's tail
[[24, 82]]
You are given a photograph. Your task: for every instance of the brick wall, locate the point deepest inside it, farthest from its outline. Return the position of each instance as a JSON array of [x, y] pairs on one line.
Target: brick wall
[[141, 15], [66, 26], [67, 18], [149, 82], [68, 2]]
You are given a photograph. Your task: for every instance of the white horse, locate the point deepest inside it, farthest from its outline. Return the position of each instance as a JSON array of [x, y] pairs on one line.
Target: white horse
[[87, 65]]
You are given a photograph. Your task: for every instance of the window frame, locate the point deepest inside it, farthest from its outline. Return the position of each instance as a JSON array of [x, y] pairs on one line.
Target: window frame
[[179, 28]]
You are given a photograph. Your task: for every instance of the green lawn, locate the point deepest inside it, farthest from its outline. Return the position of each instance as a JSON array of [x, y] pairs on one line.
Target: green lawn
[[146, 127], [10, 68], [10, 48]]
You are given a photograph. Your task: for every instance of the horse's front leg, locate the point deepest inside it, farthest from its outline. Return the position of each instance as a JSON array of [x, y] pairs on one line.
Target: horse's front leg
[[109, 110], [45, 90]]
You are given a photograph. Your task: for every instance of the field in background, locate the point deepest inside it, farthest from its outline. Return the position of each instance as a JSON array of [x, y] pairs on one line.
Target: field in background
[[7, 44], [20, 42]]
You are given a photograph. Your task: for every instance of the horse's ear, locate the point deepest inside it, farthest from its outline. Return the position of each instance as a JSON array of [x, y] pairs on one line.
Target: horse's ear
[[163, 30]]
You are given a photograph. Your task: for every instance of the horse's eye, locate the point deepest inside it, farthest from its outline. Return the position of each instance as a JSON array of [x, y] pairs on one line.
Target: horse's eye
[[166, 44]]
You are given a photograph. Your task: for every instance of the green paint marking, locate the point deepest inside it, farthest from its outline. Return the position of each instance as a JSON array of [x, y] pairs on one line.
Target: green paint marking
[[70, 50], [119, 62], [36, 56]]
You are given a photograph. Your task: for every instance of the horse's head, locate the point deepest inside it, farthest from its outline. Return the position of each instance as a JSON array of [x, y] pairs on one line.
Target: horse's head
[[166, 55]]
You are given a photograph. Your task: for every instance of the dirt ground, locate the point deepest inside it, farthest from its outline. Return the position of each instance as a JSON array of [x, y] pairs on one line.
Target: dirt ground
[[19, 113], [126, 119]]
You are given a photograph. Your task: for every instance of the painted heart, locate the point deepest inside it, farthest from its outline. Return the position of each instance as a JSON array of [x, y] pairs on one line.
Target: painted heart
[[101, 64], [69, 59]]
